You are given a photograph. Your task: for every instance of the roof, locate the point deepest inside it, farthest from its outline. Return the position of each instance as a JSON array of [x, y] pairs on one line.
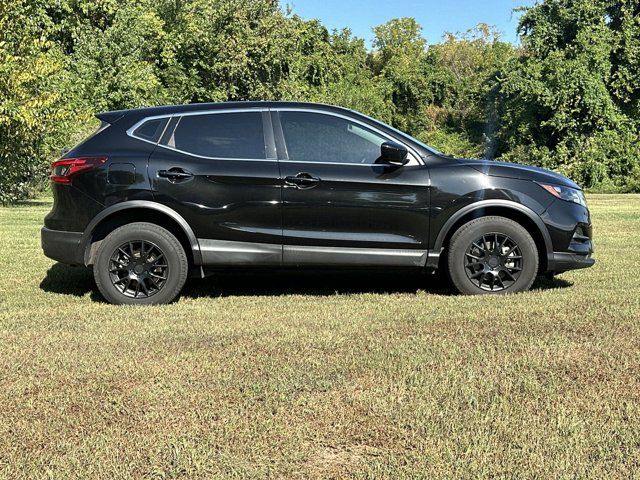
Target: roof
[[194, 107]]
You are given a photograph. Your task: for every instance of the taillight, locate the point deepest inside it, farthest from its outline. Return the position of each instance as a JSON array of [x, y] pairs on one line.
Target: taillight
[[63, 170]]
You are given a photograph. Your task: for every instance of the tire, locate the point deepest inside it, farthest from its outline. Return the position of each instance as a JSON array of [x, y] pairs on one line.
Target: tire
[[492, 255], [138, 257]]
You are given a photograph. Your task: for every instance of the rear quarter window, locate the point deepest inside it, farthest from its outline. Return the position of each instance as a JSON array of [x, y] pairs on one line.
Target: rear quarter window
[[151, 129]]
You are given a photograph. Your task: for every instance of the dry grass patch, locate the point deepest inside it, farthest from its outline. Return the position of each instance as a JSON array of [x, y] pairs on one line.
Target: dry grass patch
[[299, 376]]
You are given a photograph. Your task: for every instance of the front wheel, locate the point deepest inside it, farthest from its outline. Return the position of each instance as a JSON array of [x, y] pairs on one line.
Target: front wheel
[[140, 264], [492, 255]]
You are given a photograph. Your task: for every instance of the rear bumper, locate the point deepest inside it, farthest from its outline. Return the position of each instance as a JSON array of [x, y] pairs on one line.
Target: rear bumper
[[62, 246], [562, 261]]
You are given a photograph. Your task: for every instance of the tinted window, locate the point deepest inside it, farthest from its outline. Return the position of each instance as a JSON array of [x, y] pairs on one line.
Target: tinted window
[[315, 137], [221, 135], [151, 129]]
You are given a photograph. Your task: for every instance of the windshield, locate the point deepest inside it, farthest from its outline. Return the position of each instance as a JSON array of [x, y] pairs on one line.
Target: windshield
[[402, 134]]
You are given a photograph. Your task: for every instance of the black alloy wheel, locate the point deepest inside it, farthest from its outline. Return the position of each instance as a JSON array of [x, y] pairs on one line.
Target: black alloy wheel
[[138, 269], [492, 255], [493, 262], [140, 264]]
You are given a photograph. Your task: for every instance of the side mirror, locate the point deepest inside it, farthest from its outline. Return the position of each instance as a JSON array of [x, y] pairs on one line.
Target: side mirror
[[394, 154]]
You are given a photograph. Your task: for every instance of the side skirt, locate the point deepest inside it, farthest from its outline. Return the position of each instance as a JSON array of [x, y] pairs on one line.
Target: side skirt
[[338, 256], [222, 252]]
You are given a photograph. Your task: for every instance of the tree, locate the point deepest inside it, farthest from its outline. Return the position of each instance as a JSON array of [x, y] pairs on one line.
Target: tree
[[462, 74], [568, 99], [115, 65], [572, 99], [398, 63], [349, 81], [33, 114]]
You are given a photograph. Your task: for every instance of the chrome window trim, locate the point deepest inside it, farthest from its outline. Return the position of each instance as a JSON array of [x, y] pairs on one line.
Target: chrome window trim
[[415, 161], [103, 126], [370, 165], [144, 120], [173, 149], [199, 112], [416, 157], [166, 125], [429, 148]]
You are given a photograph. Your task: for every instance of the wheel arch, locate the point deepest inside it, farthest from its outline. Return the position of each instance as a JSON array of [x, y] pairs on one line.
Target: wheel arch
[[139, 211], [503, 208]]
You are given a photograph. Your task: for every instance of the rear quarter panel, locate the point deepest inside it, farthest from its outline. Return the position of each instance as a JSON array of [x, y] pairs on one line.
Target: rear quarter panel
[[123, 177]]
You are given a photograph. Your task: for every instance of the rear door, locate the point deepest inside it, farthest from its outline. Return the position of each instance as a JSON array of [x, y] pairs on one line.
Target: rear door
[[342, 206], [218, 169]]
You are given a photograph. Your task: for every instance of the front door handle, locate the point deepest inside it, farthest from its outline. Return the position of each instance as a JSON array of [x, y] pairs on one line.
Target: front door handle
[[302, 180], [175, 174]]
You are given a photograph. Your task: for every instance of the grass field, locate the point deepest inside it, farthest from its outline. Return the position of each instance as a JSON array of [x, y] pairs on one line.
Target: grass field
[[321, 376]]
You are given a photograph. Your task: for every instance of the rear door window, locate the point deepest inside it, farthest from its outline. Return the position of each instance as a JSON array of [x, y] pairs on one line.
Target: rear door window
[[220, 135]]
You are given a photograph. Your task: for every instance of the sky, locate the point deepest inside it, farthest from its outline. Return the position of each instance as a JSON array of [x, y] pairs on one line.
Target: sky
[[435, 16]]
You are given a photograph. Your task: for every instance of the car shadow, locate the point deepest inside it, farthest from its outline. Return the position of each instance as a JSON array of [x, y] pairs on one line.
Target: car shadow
[[544, 283], [313, 283], [330, 282], [67, 280], [78, 282]]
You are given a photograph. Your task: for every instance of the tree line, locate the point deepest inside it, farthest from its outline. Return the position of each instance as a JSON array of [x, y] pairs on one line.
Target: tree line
[[566, 98]]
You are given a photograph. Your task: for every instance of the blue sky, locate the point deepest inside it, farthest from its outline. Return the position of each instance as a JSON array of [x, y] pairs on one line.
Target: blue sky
[[435, 16]]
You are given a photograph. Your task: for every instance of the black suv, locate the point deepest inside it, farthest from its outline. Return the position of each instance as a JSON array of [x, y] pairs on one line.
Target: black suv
[[158, 193]]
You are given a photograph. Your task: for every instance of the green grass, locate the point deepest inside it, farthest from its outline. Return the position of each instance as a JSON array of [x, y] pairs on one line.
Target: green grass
[[318, 376]]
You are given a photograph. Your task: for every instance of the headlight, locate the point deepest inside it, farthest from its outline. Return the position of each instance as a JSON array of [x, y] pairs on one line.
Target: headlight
[[566, 193]]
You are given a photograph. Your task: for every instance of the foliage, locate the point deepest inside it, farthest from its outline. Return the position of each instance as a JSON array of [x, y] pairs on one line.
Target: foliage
[[32, 114], [398, 60], [567, 99], [114, 66], [463, 75], [351, 85], [572, 100]]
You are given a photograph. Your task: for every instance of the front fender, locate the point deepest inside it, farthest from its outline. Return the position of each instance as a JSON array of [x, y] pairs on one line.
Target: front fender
[[438, 246]]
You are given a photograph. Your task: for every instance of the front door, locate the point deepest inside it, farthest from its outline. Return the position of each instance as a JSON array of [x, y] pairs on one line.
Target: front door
[[218, 170], [340, 204]]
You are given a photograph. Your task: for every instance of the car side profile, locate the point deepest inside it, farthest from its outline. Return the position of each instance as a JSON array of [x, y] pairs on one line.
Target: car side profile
[[158, 194]]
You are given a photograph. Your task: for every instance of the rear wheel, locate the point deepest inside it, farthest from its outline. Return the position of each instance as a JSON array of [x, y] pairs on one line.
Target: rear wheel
[[140, 264], [492, 255]]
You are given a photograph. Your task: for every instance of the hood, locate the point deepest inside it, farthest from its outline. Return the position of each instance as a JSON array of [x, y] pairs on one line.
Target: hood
[[522, 172]]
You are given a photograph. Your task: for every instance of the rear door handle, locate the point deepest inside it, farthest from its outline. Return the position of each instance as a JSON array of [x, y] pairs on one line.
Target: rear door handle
[[302, 180], [175, 174]]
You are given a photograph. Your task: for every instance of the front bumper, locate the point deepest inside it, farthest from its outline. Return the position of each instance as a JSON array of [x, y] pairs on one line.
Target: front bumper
[[62, 246], [578, 255], [571, 235], [562, 261]]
